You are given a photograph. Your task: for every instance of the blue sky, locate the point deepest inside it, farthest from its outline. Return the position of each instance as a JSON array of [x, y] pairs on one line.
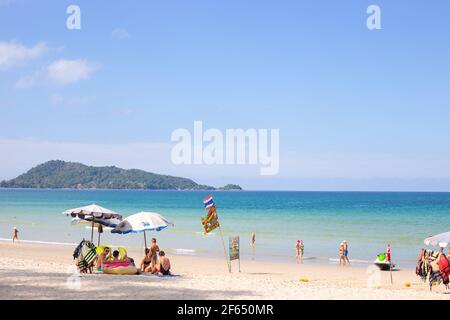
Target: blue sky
[[357, 109]]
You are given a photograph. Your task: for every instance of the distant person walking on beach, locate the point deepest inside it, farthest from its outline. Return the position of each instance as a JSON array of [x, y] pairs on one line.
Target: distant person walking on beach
[[341, 255], [346, 252], [15, 234], [253, 240], [299, 248]]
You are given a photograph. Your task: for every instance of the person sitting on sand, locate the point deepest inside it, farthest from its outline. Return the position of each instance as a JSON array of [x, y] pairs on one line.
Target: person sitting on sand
[[115, 257], [102, 258], [146, 261], [126, 258], [164, 264], [341, 254], [15, 234]]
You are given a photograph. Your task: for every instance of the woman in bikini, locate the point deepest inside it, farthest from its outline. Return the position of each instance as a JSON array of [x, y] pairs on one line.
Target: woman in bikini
[[146, 261], [164, 264], [341, 254]]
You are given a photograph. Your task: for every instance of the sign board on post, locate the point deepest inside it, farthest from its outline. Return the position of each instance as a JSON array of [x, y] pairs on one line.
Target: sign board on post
[[234, 250]]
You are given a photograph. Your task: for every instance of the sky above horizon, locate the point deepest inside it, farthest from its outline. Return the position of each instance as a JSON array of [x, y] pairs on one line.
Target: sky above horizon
[[357, 109]]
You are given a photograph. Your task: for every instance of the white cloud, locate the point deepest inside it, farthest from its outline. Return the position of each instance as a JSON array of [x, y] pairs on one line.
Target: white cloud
[[66, 72], [60, 72], [120, 34], [13, 53], [58, 100]]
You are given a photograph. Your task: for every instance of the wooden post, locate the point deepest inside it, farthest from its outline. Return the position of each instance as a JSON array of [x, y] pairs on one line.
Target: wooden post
[[145, 241], [224, 249], [92, 231], [239, 246], [390, 270]]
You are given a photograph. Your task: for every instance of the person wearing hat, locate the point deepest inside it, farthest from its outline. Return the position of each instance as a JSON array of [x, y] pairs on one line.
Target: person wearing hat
[[15, 234]]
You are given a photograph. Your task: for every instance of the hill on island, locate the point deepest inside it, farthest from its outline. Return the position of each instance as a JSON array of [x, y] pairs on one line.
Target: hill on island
[[57, 174]]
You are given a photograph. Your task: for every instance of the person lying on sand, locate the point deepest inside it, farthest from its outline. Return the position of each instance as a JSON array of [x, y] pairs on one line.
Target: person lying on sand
[[146, 261], [164, 264]]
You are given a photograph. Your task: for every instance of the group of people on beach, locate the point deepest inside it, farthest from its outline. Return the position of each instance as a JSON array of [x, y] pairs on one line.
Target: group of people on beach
[[300, 249], [343, 253], [155, 260], [151, 263], [107, 257]]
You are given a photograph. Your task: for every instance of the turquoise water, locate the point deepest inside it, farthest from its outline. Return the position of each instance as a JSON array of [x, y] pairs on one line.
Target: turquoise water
[[367, 220]]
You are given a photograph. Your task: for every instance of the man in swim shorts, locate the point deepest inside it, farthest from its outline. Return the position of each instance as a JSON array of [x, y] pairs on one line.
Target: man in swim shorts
[[154, 249]]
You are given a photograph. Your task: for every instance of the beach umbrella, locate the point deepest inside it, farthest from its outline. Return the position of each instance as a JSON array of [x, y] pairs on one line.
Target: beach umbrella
[[142, 222], [95, 214], [442, 240]]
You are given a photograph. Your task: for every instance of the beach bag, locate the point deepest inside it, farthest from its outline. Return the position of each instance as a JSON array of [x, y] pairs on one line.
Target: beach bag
[[77, 251], [87, 256], [444, 268]]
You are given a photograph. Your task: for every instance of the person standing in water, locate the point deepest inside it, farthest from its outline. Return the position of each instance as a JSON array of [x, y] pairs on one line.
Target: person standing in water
[[299, 248], [253, 240], [253, 244], [346, 252], [341, 254], [15, 234]]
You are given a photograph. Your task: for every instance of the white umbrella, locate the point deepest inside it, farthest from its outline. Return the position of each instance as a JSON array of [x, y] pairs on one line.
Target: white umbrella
[[442, 240], [141, 222], [96, 215]]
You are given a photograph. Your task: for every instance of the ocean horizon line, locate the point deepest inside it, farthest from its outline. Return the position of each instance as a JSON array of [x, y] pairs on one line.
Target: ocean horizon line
[[234, 191]]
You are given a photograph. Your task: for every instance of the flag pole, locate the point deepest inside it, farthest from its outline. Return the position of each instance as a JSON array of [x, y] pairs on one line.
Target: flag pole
[[224, 249], [390, 270]]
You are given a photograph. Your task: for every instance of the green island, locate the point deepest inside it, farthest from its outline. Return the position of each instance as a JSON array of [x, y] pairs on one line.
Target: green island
[[58, 174]]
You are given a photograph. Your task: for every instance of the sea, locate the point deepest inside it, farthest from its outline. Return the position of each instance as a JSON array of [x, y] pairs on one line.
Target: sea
[[367, 220]]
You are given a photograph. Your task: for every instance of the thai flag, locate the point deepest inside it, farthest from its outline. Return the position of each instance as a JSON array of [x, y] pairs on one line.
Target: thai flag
[[208, 202]]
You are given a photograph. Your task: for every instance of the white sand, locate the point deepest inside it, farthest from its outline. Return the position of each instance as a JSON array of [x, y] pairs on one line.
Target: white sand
[[37, 271]]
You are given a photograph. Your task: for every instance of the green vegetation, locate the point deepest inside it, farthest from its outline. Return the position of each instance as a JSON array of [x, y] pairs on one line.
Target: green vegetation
[[59, 174]]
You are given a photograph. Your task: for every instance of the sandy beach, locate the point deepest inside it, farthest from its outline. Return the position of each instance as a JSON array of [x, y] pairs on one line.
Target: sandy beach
[[37, 271]]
